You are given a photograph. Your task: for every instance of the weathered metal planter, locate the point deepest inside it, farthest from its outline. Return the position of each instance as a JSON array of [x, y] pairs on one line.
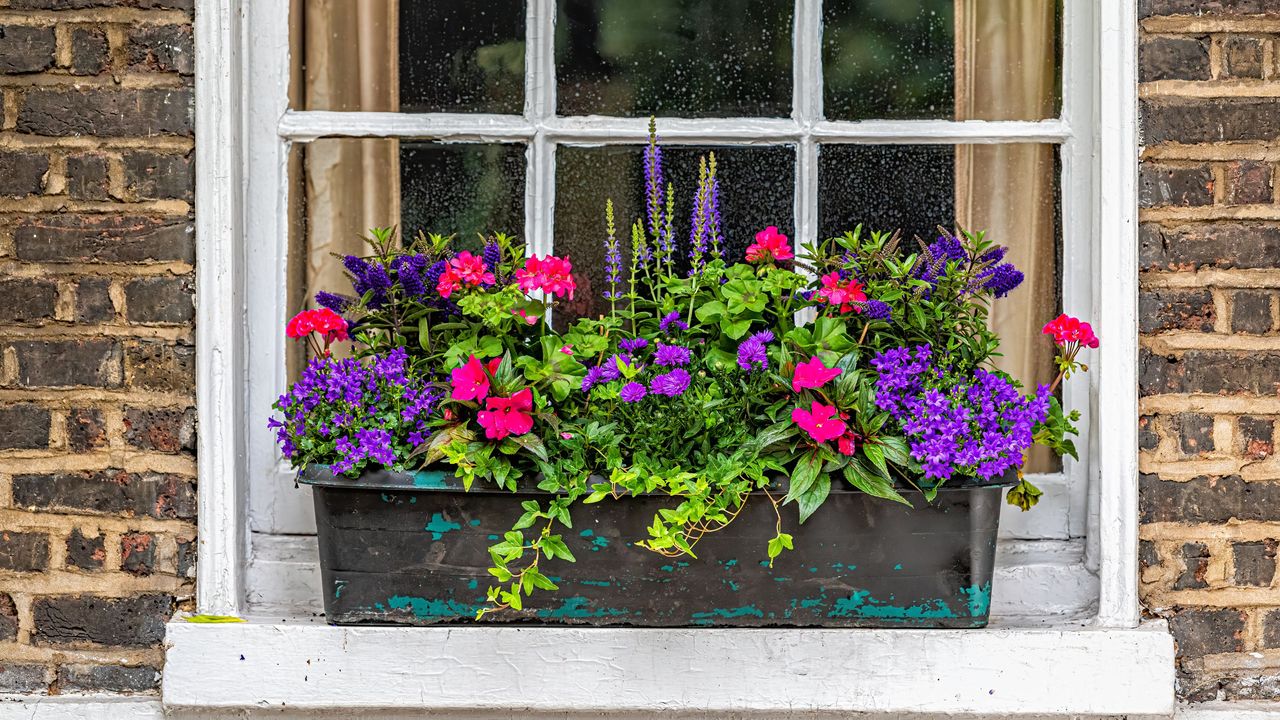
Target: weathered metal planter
[[411, 549]]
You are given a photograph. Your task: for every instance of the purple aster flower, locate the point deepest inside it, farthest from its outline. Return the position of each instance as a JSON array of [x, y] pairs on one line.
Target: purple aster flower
[[594, 377], [632, 392], [671, 355], [671, 384], [632, 345], [670, 320], [333, 301], [753, 353]]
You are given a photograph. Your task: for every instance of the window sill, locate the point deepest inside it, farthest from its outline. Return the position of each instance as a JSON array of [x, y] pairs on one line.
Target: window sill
[[1000, 671]]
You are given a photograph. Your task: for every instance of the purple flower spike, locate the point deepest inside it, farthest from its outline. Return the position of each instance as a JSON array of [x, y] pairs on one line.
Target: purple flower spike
[[877, 310], [333, 301]]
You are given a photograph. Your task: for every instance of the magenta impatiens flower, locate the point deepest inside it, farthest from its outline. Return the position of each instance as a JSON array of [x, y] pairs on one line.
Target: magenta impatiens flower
[[822, 422], [812, 374], [770, 246], [471, 381], [507, 416]]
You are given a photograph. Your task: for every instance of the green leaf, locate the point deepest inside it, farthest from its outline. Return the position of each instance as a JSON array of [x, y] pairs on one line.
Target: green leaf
[[213, 619], [814, 497], [710, 311], [734, 329], [1024, 495], [872, 483], [804, 475], [876, 456]]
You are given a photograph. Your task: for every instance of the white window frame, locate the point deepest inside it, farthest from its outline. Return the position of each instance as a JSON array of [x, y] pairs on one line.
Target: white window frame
[[1112, 664], [245, 130]]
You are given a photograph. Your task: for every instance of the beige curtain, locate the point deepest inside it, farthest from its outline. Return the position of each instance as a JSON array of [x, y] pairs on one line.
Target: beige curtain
[[351, 63], [1003, 72]]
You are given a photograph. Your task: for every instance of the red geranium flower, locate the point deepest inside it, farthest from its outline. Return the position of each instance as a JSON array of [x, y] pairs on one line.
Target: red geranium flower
[[822, 422], [507, 416], [842, 293], [812, 374], [1066, 329], [324, 321], [471, 381], [770, 246]]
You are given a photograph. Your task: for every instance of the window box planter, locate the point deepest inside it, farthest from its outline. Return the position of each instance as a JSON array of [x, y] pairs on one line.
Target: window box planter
[[412, 549]]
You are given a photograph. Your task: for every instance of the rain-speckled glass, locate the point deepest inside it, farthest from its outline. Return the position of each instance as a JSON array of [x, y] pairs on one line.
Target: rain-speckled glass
[[687, 58], [411, 55], [462, 189], [756, 190], [938, 59], [886, 187]]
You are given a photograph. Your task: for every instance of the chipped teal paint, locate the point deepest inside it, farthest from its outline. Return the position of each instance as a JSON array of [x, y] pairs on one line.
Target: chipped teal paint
[[598, 543], [579, 607], [594, 583], [493, 537], [979, 598], [472, 584], [898, 566], [764, 563], [439, 526], [862, 605], [433, 479], [667, 568], [780, 578], [338, 587], [706, 618], [474, 523], [425, 609], [388, 498], [732, 585], [730, 563]]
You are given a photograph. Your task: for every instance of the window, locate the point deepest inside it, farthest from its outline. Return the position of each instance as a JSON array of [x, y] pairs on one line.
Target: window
[[465, 116]]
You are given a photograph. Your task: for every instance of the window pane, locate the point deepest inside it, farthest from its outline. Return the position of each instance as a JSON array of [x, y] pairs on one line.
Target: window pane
[[756, 190], [688, 58], [412, 55], [1009, 190], [347, 186], [961, 59]]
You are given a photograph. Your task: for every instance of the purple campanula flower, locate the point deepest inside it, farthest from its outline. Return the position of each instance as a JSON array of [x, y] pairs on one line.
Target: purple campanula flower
[[632, 392], [671, 355], [671, 384]]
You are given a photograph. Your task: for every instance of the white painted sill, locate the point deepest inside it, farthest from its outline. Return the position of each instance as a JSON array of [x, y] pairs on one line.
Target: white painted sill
[[505, 671]]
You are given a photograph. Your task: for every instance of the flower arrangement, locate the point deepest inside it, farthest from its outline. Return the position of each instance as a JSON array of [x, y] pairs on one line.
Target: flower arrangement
[[712, 380]]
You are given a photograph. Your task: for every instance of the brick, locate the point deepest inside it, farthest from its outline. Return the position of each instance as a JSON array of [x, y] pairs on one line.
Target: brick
[[86, 430], [157, 176], [1147, 8], [93, 300], [24, 552], [1161, 310], [161, 430], [26, 49], [84, 552], [108, 492], [1241, 57], [1255, 562], [1148, 438], [1202, 631], [22, 678], [27, 300], [1148, 555], [1201, 120], [24, 427], [1271, 629], [1209, 371], [1248, 182], [8, 618], [1251, 687], [1173, 58], [137, 553], [153, 365], [69, 363], [1195, 563], [187, 5], [90, 53], [57, 112], [1257, 436], [107, 678], [1251, 312], [167, 300], [162, 48], [1220, 245], [84, 619], [187, 557], [1184, 186], [1195, 433], [1207, 500], [87, 177], [22, 173], [112, 238]]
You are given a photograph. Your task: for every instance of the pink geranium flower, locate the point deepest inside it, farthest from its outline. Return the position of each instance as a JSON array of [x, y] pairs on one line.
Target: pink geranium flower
[[327, 323], [551, 275], [770, 246], [465, 270], [822, 422], [1066, 329], [507, 416], [842, 293], [471, 381], [812, 374]]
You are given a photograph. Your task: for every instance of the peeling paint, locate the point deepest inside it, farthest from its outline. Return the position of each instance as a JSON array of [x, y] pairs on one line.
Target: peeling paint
[[861, 604], [578, 607], [706, 618], [425, 609], [433, 479], [598, 542], [439, 526]]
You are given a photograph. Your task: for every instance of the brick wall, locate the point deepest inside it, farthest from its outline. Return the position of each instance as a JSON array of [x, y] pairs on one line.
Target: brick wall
[[97, 465], [1210, 318]]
